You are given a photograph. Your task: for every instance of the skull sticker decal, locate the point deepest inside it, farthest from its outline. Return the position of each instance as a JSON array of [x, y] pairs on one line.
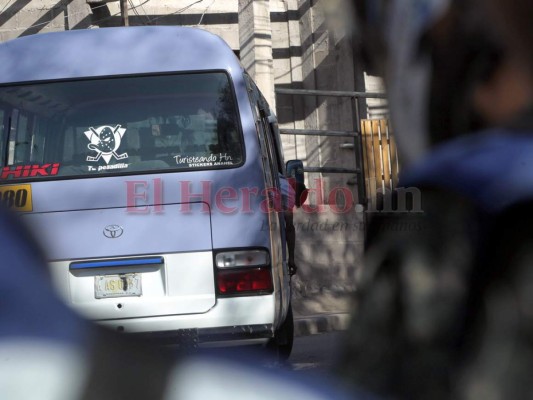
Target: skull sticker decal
[[105, 140]]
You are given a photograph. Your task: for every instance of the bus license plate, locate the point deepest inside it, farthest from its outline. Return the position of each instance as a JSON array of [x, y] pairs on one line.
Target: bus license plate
[[124, 285]]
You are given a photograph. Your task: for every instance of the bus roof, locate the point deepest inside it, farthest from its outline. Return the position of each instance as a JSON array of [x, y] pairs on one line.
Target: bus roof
[[113, 51]]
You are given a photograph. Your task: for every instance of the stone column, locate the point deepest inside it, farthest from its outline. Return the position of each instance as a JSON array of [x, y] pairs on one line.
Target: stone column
[[255, 36], [78, 14]]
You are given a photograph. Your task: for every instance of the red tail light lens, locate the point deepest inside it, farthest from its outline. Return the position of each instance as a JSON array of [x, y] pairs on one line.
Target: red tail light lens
[[245, 281]]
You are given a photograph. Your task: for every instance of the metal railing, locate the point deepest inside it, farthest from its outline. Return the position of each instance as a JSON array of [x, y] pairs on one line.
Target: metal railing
[[355, 134]]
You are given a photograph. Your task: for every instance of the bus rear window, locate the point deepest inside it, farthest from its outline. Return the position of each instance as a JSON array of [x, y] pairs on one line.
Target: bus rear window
[[119, 125]]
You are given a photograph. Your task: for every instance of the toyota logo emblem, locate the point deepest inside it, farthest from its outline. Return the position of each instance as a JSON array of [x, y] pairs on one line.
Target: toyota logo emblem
[[113, 231]]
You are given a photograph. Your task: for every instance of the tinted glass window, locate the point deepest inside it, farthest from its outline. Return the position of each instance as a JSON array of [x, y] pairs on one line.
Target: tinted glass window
[[122, 125]]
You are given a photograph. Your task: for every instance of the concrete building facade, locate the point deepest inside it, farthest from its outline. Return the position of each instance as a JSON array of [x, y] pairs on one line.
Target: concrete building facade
[[285, 44]]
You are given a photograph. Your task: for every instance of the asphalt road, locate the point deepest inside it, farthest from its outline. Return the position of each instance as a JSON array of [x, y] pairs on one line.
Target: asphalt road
[[317, 352]]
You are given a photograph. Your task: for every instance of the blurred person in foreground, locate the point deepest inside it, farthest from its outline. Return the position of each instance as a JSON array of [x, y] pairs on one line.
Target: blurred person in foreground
[[47, 352], [445, 303]]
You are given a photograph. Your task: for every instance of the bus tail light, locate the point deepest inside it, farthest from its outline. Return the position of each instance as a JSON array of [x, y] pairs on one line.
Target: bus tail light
[[245, 281]]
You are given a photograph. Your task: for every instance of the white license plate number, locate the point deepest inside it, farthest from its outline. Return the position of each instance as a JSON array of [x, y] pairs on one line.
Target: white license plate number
[[124, 285]]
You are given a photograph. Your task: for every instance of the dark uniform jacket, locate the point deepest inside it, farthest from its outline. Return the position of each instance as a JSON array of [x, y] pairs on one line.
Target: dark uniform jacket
[[445, 305]]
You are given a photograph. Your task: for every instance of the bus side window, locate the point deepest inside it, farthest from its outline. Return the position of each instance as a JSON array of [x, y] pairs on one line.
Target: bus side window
[[3, 127], [262, 131], [276, 140], [273, 153]]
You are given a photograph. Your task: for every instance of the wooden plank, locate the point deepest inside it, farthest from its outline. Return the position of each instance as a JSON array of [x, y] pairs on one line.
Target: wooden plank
[[382, 126], [378, 155], [370, 178]]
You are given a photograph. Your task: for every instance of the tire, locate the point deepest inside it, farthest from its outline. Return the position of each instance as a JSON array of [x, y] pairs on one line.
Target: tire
[[283, 340]]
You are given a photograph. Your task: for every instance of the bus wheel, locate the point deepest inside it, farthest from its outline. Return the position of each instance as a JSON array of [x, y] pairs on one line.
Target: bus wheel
[[282, 342]]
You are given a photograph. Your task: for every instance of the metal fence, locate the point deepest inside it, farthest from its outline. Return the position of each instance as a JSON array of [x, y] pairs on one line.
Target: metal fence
[[376, 159]]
